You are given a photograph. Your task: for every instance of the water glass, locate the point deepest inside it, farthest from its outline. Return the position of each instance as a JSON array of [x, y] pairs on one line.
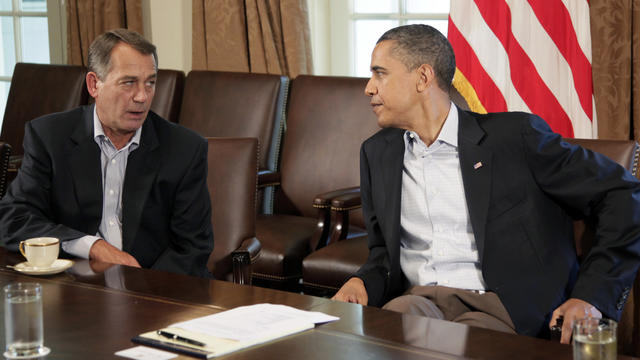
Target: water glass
[[23, 320], [595, 339]]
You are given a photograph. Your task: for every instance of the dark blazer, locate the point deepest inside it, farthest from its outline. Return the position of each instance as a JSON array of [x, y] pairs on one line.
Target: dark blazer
[[521, 200], [166, 213]]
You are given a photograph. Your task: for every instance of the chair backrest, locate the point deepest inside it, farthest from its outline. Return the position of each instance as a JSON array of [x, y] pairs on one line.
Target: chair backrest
[[168, 97], [328, 118], [232, 181], [40, 89], [625, 153], [5, 152], [227, 104]]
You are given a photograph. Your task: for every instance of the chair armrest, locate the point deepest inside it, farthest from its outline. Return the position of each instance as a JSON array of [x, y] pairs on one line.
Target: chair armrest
[[347, 201], [322, 236], [268, 178], [324, 200], [340, 207], [242, 258]]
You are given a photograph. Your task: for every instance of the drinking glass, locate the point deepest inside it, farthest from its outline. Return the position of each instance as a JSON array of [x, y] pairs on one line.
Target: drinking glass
[[594, 339], [23, 320]]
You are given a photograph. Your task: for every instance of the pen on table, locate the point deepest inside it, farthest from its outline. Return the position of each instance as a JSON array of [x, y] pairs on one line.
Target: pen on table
[[176, 337]]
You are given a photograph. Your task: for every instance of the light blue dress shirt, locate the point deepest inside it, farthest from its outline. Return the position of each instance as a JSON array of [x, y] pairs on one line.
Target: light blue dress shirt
[[114, 165], [437, 242]]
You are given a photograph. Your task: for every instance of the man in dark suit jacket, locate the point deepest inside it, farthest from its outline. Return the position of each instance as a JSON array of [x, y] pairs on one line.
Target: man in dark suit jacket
[[114, 181], [522, 185]]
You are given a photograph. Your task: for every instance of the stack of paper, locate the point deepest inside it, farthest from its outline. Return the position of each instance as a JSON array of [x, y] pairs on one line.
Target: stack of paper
[[233, 330]]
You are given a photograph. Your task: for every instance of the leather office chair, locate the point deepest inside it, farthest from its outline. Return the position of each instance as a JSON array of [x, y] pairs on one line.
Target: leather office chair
[[168, 96], [36, 90], [5, 152], [228, 104], [231, 179], [327, 120]]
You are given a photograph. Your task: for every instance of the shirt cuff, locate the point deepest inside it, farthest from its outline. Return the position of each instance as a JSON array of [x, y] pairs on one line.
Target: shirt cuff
[[80, 247]]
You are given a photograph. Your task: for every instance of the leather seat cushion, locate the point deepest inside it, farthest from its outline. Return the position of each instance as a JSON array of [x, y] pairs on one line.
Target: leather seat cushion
[[332, 265], [285, 242]]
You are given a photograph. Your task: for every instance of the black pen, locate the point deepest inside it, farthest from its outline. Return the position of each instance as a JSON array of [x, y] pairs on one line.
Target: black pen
[[176, 337]]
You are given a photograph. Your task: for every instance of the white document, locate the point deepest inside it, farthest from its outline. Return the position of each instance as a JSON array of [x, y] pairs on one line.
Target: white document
[[247, 323], [146, 353]]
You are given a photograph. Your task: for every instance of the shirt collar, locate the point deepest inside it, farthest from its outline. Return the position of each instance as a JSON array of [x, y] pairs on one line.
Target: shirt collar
[[449, 132], [98, 131]]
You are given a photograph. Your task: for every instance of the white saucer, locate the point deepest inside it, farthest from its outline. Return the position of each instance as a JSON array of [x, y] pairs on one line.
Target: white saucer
[[44, 351], [58, 266]]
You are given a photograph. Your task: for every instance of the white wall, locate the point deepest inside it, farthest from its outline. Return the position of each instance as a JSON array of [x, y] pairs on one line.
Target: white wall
[[167, 24]]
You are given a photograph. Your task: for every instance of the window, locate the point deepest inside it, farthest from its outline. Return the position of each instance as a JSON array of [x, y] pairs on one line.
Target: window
[[344, 32], [31, 32]]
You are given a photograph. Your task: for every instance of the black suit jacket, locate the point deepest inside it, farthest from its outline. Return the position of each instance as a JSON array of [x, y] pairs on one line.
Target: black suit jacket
[[521, 201], [166, 213]]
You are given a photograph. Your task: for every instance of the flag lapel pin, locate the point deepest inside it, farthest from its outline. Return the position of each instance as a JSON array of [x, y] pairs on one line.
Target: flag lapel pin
[[477, 165]]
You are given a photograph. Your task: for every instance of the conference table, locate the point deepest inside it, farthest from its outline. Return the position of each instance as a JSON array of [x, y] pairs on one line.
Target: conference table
[[93, 309]]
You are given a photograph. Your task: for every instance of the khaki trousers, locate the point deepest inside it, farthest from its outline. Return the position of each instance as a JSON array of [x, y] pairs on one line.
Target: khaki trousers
[[463, 306]]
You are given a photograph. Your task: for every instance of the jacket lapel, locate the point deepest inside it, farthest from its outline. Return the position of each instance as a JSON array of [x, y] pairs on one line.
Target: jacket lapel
[[142, 167], [391, 163], [475, 164], [86, 174]]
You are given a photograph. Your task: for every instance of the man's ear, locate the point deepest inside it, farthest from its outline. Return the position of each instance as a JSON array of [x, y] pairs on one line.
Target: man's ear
[[92, 83], [426, 77]]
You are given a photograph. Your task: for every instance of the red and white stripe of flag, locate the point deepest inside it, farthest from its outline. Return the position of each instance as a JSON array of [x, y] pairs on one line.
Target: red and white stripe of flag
[[526, 55]]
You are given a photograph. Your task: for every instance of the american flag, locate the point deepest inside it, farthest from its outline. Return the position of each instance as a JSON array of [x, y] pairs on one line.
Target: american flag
[[526, 55]]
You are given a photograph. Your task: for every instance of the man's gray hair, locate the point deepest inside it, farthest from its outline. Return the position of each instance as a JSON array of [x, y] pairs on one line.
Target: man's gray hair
[[99, 60], [423, 44]]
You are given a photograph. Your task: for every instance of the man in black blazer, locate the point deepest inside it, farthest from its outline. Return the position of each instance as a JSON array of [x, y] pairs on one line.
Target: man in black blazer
[[520, 188], [114, 181]]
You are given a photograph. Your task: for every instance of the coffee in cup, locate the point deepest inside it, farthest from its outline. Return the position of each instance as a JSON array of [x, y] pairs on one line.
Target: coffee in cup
[[40, 252]]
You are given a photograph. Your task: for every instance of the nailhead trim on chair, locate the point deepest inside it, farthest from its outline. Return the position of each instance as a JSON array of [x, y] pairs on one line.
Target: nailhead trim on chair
[[4, 168], [273, 277], [636, 156]]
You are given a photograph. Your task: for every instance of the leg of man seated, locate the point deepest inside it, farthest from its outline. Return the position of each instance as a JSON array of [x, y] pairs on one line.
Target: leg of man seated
[[481, 310], [484, 320], [414, 305]]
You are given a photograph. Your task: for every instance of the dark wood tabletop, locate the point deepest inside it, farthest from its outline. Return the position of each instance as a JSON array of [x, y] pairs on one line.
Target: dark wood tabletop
[[92, 310]]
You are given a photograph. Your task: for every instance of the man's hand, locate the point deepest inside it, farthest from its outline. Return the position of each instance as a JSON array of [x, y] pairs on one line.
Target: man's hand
[[105, 252], [572, 310], [352, 291]]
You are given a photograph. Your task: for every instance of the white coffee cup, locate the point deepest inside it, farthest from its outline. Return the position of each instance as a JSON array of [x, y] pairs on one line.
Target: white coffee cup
[[40, 252]]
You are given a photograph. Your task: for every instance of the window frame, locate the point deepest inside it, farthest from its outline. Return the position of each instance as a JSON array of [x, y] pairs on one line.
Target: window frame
[[336, 55], [56, 31]]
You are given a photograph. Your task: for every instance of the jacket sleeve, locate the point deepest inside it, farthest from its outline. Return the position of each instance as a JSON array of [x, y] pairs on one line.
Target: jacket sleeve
[[190, 222], [593, 187], [26, 211], [375, 272]]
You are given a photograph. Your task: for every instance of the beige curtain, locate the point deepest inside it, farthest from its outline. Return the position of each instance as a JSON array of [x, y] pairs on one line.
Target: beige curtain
[[615, 30], [261, 36], [86, 19]]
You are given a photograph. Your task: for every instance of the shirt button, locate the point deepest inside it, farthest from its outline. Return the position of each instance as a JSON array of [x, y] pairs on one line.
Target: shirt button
[[111, 192], [440, 252], [111, 223], [113, 161]]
